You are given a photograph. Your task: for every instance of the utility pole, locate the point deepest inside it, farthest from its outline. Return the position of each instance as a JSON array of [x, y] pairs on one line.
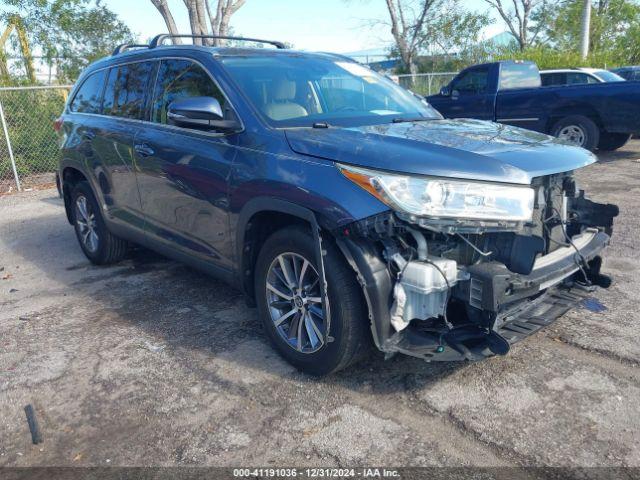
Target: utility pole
[[586, 26]]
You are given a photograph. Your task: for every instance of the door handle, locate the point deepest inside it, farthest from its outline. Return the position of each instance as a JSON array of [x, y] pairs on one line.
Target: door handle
[[143, 150], [88, 134]]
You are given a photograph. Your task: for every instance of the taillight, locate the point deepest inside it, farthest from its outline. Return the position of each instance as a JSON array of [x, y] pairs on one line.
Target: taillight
[[57, 124]]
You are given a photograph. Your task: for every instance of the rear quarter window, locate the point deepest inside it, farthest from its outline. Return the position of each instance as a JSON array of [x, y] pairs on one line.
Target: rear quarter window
[[519, 75], [87, 99]]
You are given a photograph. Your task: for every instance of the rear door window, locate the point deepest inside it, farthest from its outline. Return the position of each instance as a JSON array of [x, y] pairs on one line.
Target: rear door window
[[124, 95], [179, 79], [87, 100]]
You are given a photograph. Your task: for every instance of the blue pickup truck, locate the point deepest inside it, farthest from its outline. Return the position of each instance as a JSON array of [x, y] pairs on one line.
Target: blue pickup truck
[[594, 116]]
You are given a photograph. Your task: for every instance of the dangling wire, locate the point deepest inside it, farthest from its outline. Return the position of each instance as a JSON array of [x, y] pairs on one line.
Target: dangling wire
[[578, 258]]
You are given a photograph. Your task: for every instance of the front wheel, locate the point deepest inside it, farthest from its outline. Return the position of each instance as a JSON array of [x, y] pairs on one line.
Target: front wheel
[[577, 130], [613, 141], [288, 296]]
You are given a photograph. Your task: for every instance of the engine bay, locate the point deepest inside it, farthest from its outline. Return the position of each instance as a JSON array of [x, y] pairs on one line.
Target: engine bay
[[452, 289]]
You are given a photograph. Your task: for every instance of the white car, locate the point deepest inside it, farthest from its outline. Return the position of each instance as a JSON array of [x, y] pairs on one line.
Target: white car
[[577, 76]]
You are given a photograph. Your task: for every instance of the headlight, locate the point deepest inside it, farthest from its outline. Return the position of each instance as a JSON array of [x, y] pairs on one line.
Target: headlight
[[443, 198]]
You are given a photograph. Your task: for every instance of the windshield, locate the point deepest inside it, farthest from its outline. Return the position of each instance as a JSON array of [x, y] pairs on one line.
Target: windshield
[[300, 90], [607, 76]]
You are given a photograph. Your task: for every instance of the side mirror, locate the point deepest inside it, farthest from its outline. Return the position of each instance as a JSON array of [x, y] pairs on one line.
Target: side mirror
[[445, 92], [455, 94], [199, 112]]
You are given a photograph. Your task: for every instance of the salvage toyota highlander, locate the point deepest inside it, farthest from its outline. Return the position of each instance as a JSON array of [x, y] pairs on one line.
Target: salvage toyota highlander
[[345, 207]]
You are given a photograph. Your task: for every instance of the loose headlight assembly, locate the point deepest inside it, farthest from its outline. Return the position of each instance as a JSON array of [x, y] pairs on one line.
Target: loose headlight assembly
[[440, 198]]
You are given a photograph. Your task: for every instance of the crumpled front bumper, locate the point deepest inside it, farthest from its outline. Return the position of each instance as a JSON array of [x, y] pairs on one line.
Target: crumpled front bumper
[[492, 285], [519, 305]]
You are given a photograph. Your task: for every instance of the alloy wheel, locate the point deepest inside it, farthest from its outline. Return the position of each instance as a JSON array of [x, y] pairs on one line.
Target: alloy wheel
[[295, 302], [86, 224]]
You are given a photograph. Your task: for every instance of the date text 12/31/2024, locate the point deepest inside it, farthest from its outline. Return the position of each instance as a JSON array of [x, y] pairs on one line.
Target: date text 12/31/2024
[[315, 473]]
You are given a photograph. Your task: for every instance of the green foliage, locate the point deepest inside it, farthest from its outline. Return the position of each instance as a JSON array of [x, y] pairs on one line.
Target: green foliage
[[452, 31], [614, 36], [70, 33], [30, 115], [549, 57]]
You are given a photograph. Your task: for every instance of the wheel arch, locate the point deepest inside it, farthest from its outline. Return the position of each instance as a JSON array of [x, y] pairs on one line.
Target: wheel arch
[[259, 218], [71, 176], [573, 109]]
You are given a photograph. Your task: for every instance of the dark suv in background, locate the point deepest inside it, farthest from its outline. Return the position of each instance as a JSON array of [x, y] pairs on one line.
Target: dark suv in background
[[346, 208]]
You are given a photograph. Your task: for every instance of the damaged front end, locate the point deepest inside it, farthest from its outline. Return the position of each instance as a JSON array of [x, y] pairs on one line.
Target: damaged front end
[[453, 288]]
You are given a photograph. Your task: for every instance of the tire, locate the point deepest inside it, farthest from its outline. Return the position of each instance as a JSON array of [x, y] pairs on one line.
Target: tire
[[612, 141], [99, 245], [578, 130], [348, 327]]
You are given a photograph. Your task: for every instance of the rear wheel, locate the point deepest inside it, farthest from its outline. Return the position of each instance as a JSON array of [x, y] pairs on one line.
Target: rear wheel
[[99, 245], [578, 130], [287, 286], [612, 141]]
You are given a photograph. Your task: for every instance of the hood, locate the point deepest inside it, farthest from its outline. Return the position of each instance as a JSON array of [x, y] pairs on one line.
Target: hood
[[467, 149]]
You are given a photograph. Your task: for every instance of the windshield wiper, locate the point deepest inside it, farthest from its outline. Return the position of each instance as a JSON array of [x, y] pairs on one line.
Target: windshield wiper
[[408, 120]]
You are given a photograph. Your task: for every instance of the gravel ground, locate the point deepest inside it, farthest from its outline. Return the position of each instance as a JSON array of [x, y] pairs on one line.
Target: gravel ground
[[152, 363]]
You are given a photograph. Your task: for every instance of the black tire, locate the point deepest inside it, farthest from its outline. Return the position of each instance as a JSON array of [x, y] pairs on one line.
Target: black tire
[[107, 248], [583, 127], [612, 141], [348, 319]]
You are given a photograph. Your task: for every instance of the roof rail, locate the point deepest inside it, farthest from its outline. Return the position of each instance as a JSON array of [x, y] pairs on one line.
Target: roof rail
[[159, 39], [126, 46]]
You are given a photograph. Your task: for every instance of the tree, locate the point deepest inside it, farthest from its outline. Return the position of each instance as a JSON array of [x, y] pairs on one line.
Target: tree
[[519, 20], [68, 33], [84, 35], [203, 20], [443, 28], [614, 26], [14, 23], [407, 19], [453, 30]]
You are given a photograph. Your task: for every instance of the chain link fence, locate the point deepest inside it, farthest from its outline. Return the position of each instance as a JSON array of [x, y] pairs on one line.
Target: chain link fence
[[426, 83], [28, 141]]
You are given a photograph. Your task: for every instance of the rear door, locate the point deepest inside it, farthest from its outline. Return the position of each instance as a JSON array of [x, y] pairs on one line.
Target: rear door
[[84, 111], [123, 107], [183, 172]]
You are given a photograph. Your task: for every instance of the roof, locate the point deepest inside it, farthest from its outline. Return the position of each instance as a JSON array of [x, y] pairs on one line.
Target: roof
[[142, 53], [578, 69]]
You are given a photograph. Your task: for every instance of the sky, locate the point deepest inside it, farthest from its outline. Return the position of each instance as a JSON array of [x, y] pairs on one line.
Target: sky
[[341, 26]]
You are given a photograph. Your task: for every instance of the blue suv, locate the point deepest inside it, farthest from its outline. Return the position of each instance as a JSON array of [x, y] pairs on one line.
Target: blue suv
[[347, 209]]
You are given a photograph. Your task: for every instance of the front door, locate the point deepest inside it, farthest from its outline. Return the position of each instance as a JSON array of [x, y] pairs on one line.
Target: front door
[[183, 172], [469, 96]]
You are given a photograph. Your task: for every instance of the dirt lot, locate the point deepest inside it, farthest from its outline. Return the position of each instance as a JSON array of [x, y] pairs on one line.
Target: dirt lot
[[152, 363]]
